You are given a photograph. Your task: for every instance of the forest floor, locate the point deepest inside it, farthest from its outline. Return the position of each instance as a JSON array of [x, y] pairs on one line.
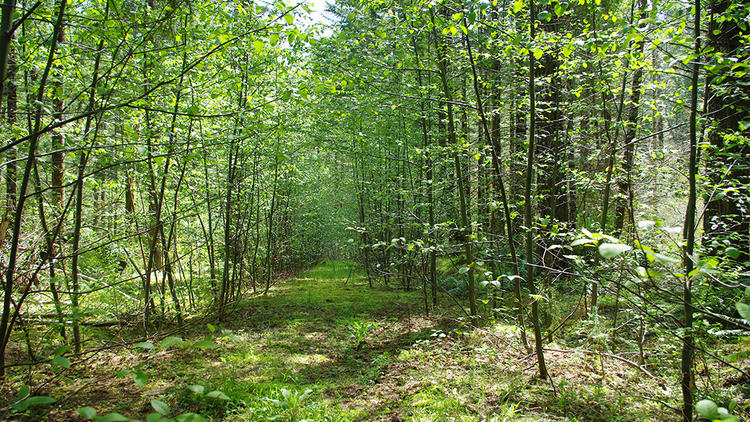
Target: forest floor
[[364, 355]]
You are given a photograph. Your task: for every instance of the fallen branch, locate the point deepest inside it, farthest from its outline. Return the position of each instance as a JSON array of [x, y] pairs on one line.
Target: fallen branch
[[620, 358]]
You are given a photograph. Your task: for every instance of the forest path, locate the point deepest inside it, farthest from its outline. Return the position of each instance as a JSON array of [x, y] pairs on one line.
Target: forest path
[[364, 355], [305, 335], [326, 331]]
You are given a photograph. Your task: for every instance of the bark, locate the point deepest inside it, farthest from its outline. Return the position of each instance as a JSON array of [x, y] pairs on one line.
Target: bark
[[10, 171], [622, 211], [429, 182], [727, 215], [503, 197], [687, 353], [441, 50], [6, 24], [5, 326], [528, 216], [552, 155]]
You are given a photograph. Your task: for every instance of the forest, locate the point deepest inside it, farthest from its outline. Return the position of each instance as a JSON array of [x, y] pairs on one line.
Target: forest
[[375, 210]]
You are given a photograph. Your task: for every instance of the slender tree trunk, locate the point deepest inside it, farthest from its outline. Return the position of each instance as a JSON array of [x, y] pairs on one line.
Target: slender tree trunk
[[10, 271], [210, 236], [269, 237], [10, 171], [429, 183], [528, 216], [442, 59], [228, 239], [503, 197], [622, 210], [6, 24], [687, 354]]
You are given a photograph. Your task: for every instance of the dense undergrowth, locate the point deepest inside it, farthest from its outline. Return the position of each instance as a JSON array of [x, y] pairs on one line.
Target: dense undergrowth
[[325, 347]]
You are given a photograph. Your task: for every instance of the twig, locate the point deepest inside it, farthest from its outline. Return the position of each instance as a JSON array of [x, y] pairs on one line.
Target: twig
[[613, 356]]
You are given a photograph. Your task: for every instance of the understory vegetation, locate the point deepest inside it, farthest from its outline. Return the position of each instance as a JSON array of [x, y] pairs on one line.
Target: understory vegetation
[[301, 353], [375, 210]]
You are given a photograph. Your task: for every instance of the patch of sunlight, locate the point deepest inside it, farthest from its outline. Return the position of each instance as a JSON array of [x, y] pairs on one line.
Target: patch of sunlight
[[506, 330], [308, 359], [412, 353], [433, 403]]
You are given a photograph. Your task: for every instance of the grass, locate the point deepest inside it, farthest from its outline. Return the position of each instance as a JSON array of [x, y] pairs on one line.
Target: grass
[[325, 347]]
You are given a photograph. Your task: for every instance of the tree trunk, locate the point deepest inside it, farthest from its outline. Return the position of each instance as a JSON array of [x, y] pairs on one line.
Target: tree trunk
[[10, 271], [441, 50], [687, 353], [528, 216], [727, 215]]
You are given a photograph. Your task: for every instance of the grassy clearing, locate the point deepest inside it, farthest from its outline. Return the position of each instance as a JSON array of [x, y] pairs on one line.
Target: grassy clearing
[[324, 347]]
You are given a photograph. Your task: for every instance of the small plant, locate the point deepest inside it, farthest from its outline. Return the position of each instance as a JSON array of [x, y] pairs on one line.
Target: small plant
[[25, 400], [161, 414], [709, 410], [291, 403], [358, 332]]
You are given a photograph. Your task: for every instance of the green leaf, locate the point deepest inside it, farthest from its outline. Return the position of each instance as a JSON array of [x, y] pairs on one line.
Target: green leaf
[[206, 344], [33, 401], [545, 16], [707, 409], [217, 395], [258, 46], [196, 388], [153, 417], [665, 259], [62, 350], [744, 310], [160, 407], [289, 19], [517, 6], [147, 345], [274, 39], [646, 224], [112, 417], [87, 412], [538, 53], [61, 361], [568, 50], [23, 392], [140, 378], [190, 417], [611, 250], [732, 252], [170, 341], [582, 242]]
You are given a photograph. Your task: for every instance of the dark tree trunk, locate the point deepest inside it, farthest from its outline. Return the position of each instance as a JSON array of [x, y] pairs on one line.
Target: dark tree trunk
[[727, 216]]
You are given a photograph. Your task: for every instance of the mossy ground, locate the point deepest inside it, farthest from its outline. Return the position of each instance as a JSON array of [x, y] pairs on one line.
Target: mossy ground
[[364, 354]]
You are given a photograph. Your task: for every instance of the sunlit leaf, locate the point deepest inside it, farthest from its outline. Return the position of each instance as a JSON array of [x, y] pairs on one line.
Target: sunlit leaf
[[87, 412], [160, 407], [707, 409], [170, 341], [611, 250]]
